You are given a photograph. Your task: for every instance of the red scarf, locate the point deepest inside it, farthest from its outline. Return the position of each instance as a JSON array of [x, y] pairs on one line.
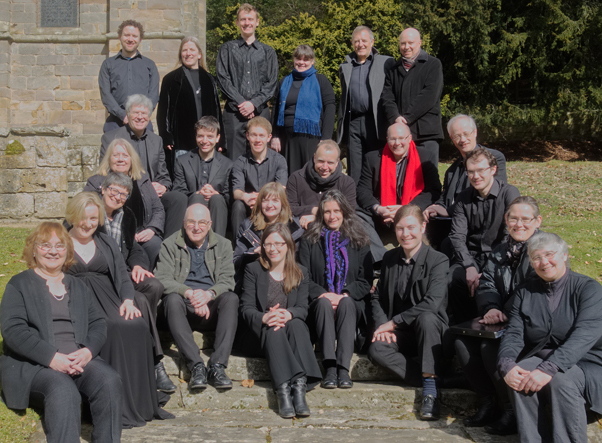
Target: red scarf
[[413, 183]]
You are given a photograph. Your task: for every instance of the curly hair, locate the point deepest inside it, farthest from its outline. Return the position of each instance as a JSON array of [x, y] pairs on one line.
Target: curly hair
[[133, 23], [41, 234]]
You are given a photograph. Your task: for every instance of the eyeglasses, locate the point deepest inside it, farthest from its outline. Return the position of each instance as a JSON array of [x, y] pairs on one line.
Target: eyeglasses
[[459, 137], [395, 140], [539, 258], [277, 244], [120, 156], [191, 224], [116, 193], [477, 171], [47, 247], [524, 221]]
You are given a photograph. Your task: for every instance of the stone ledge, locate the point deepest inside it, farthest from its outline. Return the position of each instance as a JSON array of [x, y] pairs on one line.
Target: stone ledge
[[56, 131]]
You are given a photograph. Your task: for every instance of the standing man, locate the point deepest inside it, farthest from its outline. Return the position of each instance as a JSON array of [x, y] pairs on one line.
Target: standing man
[[361, 124], [126, 74], [412, 92], [247, 73]]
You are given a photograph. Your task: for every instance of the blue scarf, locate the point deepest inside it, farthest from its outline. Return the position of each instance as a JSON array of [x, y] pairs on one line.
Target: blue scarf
[[309, 102], [337, 260]]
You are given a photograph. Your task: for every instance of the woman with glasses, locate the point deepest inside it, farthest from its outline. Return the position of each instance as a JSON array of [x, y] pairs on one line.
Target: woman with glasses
[[143, 200], [508, 266], [53, 332], [132, 347], [336, 252], [551, 354], [274, 305]]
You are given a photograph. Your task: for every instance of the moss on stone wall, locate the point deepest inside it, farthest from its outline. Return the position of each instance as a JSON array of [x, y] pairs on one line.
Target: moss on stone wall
[[14, 148]]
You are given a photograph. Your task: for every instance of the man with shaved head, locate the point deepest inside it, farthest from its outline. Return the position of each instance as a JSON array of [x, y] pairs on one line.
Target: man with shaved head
[[412, 92], [195, 266]]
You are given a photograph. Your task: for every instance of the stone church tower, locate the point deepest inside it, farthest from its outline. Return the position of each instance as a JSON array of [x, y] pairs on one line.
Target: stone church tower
[[51, 116]]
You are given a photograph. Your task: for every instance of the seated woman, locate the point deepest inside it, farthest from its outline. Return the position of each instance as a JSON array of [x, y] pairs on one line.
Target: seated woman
[[507, 267], [270, 207], [336, 252], [52, 333], [408, 309], [274, 305], [131, 337], [551, 354], [144, 201]]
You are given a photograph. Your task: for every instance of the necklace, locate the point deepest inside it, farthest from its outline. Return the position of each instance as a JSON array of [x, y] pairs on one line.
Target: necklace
[[55, 284]]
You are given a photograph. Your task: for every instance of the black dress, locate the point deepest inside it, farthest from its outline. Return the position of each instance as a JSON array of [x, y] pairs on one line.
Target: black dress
[[129, 345]]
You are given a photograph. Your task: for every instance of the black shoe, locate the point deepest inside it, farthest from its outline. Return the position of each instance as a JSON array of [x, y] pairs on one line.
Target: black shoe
[[164, 384], [344, 379], [488, 412], [430, 408], [198, 377], [298, 390], [218, 378], [330, 379], [506, 425], [285, 401]]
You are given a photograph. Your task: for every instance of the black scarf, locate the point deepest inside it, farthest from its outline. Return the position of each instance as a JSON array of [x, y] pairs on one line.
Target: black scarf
[[320, 184]]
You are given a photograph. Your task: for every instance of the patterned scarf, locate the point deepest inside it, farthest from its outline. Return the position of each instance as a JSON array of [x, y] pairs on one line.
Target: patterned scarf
[[113, 227], [515, 249], [337, 260]]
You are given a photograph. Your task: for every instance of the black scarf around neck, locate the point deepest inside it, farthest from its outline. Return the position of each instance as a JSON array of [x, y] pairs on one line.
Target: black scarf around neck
[[320, 184]]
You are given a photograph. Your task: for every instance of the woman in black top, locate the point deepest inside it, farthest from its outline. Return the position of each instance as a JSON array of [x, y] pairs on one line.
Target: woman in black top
[[506, 268], [336, 252], [53, 332], [187, 93], [303, 112], [274, 306]]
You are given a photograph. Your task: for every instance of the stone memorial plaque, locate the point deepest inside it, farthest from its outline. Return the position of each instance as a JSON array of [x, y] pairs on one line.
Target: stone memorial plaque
[[58, 13]]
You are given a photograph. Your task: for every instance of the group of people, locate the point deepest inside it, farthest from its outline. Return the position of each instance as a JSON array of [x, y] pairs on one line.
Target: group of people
[[145, 245]]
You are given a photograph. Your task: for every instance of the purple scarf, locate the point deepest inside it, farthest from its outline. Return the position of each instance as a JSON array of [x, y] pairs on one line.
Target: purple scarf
[[337, 260]]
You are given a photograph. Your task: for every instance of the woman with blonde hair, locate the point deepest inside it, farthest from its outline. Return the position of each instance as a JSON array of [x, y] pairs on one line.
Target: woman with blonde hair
[[187, 93]]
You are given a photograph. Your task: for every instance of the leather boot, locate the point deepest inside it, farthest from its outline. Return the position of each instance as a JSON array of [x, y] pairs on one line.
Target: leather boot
[[285, 402], [506, 425], [164, 384], [298, 390], [487, 413]]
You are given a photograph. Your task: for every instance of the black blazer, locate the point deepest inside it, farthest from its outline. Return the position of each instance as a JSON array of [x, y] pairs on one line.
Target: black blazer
[[368, 188], [187, 182], [253, 301], [26, 319], [359, 274], [428, 283]]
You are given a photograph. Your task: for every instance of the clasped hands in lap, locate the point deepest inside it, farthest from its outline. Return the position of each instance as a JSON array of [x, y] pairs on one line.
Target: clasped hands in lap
[[198, 299], [71, 364], [276, 317], [520, 379]]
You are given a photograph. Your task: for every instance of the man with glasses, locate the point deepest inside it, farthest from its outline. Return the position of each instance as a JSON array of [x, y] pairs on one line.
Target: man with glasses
[[196, 268], [477, 226]]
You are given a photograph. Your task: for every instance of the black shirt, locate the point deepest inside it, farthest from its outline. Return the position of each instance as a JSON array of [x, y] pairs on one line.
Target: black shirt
[[359, 88], [198, 277], [64, 335], [250, 176], [202, 169], [401, 299], [401, 167]]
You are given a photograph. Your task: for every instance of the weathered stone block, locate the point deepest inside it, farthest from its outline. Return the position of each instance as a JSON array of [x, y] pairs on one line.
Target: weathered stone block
[[17, 82], [73, 106], [42, 71], [27, 160], [45, 96], [93, 129], [90, 155], [74, 174], [74, 188], [51, 151], [26, 106], [21, 70], [67, 49], [84, 117], [50, 60], [34, 48], [74, 157], [69, 70], [43, 83], [59, 117], [91, 70], [92, 48], [33, 180], [62, 95], [16, 205], [89, 171], [50, 204], [22, 95], [80, 140], [77, 59], [83, 83], [22, 118]]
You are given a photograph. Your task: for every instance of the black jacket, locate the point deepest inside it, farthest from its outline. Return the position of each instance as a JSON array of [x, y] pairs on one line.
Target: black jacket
[[26, 319], [368, 188], [575, 324], [428, 283], [187, 182]]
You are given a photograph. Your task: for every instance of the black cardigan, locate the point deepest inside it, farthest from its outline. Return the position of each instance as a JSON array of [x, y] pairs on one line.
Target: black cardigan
[[26, 319]]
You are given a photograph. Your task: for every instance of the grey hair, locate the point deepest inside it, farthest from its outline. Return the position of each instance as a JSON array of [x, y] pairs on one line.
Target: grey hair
[[525, 200], [329, 145], [546, 240], [138, 100], [361, 29], [304, 52], [118, 179], [455, 118]]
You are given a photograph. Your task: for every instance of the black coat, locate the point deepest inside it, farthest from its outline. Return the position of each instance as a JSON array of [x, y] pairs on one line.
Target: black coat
[[187, 182], [368, 188], [428, 283], [359, 274], [177, 109], [26, 319], [575, 324]]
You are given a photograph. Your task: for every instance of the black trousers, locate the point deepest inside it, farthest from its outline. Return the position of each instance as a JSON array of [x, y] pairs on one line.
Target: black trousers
[[235, 128], [60, 396], [422, 339], [147, 296], [218, 208], [566, 419], [330, 327], [362, 139], [461, 306], [432, 147], [152, 248], [240, 211], [175, 204], [297, 148], [223, 319]]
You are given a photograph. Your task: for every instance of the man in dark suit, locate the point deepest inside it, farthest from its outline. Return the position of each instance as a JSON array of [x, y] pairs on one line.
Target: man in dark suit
[[149, 147], [412, 93], [204, 175]]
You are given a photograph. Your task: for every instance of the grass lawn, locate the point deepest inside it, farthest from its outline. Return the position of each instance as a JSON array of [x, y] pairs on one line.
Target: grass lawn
[[570, 198]]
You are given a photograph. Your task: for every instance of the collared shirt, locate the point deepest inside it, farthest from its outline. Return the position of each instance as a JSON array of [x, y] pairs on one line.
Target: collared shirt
[[401, 176], [202, 169], [247, 73], [359, 87], [113, 227], [401, 298], [250, 176], [120, 77], [198, 277]]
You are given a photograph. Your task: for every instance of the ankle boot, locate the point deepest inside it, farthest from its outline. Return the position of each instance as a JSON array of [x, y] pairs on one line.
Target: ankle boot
[[298, 390], [285, 402], [505, 425], [487, 413]]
